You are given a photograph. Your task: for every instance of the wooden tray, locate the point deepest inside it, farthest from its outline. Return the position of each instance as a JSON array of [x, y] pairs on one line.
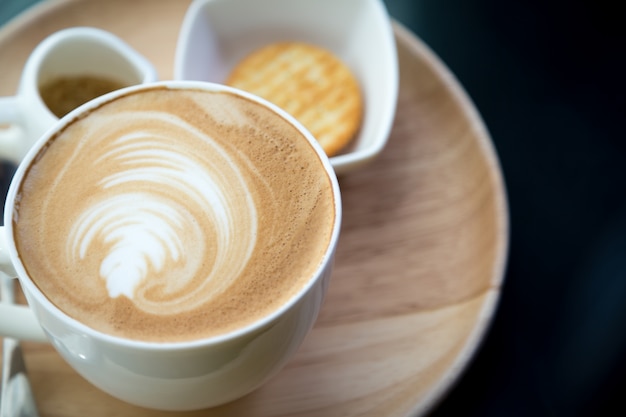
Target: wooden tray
[[420, 261]]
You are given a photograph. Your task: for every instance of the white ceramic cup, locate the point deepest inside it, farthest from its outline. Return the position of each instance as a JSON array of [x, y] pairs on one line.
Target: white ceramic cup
[[68, 52], [217, 34], [176, 375]]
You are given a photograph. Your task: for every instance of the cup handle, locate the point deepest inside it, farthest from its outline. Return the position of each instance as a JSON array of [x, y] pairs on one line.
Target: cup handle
[[11, 136], [16, 321]]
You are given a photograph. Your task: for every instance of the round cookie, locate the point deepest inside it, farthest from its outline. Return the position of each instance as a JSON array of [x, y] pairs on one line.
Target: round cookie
[[308, 82]]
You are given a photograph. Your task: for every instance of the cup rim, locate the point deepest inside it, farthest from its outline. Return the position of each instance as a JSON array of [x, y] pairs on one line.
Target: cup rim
[[144, 68], [257, 325]]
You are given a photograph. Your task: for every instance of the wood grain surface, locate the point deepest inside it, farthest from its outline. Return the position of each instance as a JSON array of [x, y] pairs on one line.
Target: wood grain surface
[[420, 261]]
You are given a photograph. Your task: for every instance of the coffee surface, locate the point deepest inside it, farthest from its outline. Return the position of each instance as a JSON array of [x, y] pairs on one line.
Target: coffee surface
[[64, 94], [174, 215]]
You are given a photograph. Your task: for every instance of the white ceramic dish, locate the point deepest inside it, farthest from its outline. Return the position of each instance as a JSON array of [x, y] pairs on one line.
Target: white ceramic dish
[[216, 34]]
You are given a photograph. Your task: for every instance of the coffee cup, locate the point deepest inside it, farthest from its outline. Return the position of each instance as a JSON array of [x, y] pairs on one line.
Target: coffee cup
[[66, 69], [174, 242]]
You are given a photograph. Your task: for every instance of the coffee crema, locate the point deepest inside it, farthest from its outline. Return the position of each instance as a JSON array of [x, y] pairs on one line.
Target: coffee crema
[[172, 215]]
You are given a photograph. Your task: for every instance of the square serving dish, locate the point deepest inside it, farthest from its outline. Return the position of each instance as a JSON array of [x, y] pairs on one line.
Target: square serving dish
[[217, 34]]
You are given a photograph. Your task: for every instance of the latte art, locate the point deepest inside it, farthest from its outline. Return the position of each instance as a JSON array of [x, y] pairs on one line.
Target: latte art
[[174, 215], [156, 196]]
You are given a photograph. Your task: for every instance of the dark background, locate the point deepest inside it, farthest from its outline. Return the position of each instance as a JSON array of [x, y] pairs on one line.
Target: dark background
[[548, 80]]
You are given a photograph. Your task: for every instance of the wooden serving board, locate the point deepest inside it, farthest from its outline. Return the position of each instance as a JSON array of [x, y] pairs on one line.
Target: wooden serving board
[[420, 260]]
